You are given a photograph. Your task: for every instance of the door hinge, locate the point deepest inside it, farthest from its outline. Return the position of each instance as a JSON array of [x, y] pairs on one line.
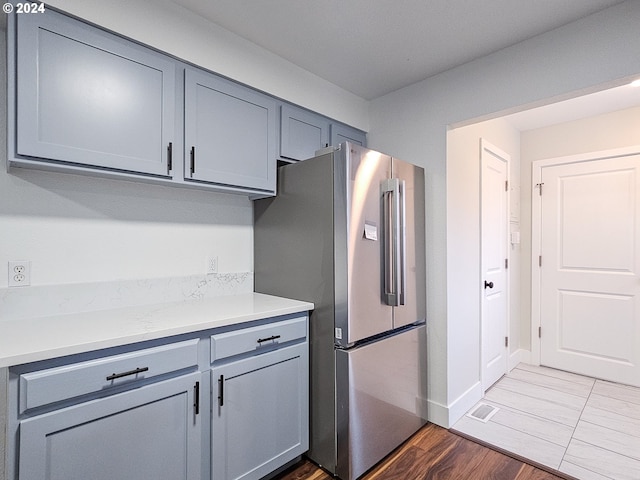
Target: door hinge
[[506, 263], [539, 332], [506, 341], [539, 186], [539, 260], [196, 398], [506, 185]]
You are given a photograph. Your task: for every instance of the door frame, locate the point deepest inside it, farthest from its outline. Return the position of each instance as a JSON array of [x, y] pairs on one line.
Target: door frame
[[499, 153], [536, 227]]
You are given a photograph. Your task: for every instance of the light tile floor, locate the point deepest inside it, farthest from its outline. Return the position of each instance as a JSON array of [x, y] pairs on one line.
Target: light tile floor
[[586, 428]]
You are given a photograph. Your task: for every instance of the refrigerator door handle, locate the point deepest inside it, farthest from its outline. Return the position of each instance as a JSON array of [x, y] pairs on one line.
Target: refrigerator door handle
[[390, 190], [401, 267]]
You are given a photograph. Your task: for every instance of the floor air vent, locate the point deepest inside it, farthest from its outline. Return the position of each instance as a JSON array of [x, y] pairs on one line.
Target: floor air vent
[[483, 412]]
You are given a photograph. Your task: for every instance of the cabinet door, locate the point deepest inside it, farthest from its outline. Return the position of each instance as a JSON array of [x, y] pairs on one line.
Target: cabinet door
[[87, 97], [151, 433], [229, 133], [301, 133], [259, 413], [343, 133]]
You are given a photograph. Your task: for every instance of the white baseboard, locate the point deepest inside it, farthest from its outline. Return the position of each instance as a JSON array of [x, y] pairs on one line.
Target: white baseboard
[[520, 355], [446, 416]]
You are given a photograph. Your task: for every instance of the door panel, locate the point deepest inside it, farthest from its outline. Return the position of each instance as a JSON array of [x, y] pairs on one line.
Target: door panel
[[382, 397], [362, 171], [301, 133], [229, 133], [494, 282], [589, 278], [342, 133], [414, 307], [90, 98], [260, 414], [150, 432]]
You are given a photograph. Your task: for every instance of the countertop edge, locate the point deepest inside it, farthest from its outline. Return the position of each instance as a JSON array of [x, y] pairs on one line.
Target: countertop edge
[[261, 307]]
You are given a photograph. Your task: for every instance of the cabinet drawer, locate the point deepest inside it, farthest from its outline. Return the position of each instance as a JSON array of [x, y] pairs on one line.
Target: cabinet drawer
[[60, 383], [249, 339]]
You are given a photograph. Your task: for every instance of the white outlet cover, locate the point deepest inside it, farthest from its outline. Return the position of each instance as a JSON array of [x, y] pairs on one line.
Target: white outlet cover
[[19, 273], [212, 265]]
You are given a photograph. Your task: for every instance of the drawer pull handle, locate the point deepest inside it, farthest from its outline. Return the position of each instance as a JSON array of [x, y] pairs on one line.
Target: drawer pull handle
[[113, 376], [268, 339]]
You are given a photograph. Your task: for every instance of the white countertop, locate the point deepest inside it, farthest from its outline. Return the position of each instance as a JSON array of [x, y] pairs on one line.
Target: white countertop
[[41, 338]]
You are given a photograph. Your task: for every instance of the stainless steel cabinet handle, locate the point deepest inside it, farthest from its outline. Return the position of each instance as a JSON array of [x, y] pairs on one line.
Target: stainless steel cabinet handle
[[193, 160], [113, 376]]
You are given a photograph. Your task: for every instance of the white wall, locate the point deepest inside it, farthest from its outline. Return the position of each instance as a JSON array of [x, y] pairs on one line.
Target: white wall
[[463, 236], [603, 132], [82, 229], [586, 55]]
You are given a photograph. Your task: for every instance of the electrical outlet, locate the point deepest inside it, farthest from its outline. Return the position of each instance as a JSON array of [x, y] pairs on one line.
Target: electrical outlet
[[19, 273], [212, 265]]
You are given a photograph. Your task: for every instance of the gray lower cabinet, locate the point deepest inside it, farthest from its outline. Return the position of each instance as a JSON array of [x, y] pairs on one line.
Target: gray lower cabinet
[[89, 98], [148, 433], [260, 415], [229, 133], [229, 403], [134, 414]]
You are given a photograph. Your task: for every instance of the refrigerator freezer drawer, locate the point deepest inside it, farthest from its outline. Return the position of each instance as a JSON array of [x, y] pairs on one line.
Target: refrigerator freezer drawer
[[381, 398]]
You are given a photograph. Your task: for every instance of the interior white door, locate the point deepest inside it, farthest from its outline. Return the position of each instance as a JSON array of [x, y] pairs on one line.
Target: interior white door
[[494, 282], [589, 285]]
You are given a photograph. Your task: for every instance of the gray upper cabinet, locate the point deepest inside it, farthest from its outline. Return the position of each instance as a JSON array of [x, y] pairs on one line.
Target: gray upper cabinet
[[343, 133], [301, 133], [91, 102], [230, 133], [90, 98]]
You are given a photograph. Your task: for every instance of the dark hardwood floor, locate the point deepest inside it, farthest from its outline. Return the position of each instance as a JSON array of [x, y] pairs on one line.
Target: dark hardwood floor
[[434, 453]]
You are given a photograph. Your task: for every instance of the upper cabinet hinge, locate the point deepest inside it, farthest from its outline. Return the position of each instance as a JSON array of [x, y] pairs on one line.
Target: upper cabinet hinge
[[506, 185], [539, 260], [506, 263], [506, 341], [539, 332], [539, 187]]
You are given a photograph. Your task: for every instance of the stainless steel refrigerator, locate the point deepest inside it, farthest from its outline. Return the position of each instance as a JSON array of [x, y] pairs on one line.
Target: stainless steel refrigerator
[[346, 232]]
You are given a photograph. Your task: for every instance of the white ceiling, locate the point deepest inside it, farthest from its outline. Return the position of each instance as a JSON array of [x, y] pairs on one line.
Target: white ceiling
[[373, 47]]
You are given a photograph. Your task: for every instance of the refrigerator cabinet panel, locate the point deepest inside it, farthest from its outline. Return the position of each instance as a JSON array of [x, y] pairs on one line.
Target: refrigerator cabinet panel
[[412, 307], [381, 398], [294, 257], [359, 233]]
